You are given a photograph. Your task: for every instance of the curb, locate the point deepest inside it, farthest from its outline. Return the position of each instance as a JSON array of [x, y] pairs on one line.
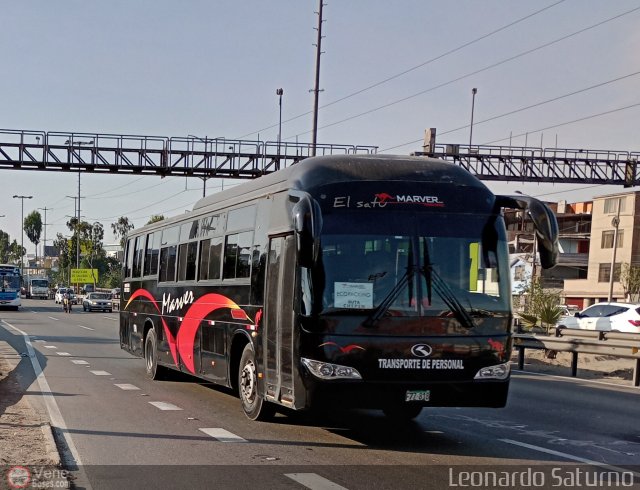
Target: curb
[[50, 444]]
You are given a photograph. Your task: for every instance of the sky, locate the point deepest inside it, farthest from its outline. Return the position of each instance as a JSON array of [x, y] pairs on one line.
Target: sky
[[389, 70]]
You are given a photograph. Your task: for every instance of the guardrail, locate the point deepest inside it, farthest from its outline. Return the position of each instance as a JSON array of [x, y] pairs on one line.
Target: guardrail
[[576, 341]]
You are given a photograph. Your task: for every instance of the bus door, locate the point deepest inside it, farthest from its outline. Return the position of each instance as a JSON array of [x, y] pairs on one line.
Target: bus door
[[278, 335]]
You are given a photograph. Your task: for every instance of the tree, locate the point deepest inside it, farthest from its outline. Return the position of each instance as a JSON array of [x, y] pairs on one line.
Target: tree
[[9, 251], [33, 229], [5, 247], [121, 228], [96, 235], [155, 218], [542, 306], [630, 281], [16, 252], [62, 245]]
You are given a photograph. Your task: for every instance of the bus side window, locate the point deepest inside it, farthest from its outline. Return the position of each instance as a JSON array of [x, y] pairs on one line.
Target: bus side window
[[168, 263], [210, 257], [187, 254], [237, 255], [151, 254], [137, 258], [129, 259]]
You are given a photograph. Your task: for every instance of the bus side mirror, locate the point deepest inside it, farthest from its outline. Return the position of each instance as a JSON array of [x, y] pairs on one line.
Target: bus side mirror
[[307, 223], [544, 221]]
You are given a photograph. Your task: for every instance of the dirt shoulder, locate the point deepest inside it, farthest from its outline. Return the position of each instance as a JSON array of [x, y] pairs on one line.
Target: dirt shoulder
[[25, 438]]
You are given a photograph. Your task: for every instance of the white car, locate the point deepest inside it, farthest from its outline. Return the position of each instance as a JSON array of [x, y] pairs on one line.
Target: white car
[[622, 317]]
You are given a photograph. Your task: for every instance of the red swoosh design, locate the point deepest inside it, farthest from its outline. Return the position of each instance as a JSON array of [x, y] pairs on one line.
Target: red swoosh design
[[346, 349], [499, 346], [172, 342], [191, 322]]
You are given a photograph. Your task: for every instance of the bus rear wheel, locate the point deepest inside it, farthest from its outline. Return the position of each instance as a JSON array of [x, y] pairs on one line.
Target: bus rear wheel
[[253, 405], [154, 371]]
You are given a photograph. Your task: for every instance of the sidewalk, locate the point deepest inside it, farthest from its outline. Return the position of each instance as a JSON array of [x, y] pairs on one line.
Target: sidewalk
[[25, 436]]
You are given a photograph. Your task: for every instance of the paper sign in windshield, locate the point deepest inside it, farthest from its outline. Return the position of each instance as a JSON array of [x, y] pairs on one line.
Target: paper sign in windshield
[[353, 295]]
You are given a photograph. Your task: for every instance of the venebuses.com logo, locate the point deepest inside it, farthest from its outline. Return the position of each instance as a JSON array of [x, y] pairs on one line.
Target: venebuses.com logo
[[18, 477]]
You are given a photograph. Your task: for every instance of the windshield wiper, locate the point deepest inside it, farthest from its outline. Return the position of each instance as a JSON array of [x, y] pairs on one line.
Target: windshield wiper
[[449, 298], [388, 300]]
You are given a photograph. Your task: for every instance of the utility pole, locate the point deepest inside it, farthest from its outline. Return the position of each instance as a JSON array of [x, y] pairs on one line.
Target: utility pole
[[22, 198], [44, 246], [316, 90], [78, 227]]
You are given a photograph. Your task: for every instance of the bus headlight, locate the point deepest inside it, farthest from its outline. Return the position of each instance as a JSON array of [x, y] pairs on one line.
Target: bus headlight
[[499, 371], [326, 370]]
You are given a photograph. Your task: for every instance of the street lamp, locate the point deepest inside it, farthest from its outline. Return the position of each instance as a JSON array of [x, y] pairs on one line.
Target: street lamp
[[474, 91], [22, 198], [615, 222], [279, 93]]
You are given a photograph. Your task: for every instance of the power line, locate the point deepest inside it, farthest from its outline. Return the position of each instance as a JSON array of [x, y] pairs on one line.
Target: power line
[[413, 68], [475, 72], [586, 118], [592, 116]]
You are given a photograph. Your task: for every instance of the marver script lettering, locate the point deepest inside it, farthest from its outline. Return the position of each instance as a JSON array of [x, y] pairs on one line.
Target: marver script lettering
[[169, 305]]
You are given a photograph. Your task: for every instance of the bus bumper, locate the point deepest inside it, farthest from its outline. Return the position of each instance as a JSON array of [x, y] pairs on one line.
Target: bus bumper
[[360, 394]]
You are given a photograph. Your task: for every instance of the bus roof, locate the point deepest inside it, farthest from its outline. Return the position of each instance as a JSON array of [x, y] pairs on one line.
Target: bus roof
[[315, 171]]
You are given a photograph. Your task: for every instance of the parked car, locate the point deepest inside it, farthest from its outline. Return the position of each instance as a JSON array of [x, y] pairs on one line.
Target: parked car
[[115, 293], [97, 301], [61, 292], [622, 317]]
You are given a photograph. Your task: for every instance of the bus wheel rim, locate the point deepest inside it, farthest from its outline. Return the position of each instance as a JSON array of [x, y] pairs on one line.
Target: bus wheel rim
[[248, 382], [149, 355]]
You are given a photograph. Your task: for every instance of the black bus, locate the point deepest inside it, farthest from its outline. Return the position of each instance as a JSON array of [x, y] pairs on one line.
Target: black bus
[[349, 281]]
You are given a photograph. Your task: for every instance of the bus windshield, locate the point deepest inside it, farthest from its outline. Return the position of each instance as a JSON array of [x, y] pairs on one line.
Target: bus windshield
[[440, 266], [10, 282]]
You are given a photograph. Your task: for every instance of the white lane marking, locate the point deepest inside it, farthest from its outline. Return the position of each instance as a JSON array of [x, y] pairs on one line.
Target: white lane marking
[[54, 318], [165, 406], [571, 457], [63, 353], [86, 328], [110, 318], [79, 361], [126, 386], [313, 481], [52, 407], [39, 340], [222, 435], [50, 347], [100, 373]]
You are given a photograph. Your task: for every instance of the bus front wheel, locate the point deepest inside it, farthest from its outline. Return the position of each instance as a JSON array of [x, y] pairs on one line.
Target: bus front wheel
[[254, 406], [151, 355]]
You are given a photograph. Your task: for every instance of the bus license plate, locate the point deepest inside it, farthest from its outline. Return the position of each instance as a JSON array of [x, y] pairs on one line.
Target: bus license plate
[[417, 396]]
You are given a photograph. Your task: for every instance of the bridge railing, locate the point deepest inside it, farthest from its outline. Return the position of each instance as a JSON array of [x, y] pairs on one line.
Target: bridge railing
[[190, 156]]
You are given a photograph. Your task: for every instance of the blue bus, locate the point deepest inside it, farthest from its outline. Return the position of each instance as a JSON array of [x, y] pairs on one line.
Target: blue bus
[[11, 282]]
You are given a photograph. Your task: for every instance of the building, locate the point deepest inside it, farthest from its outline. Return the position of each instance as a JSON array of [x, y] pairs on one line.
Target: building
[[574, 225], [615, 219]]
